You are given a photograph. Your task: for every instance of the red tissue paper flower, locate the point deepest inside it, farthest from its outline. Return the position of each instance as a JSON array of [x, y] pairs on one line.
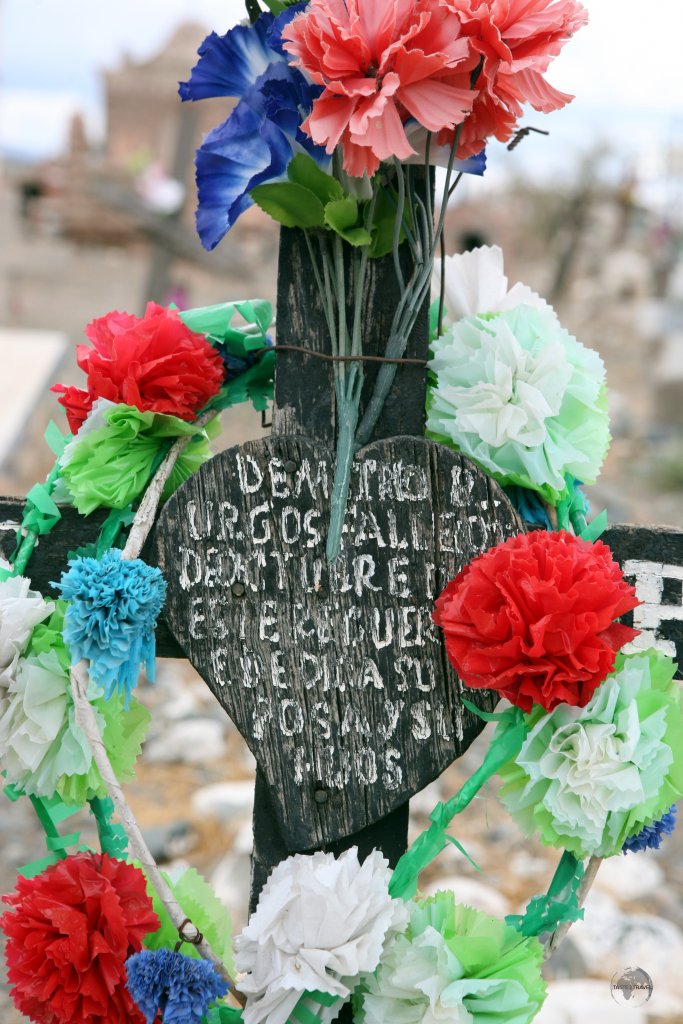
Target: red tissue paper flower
[[381, 63], [533, 619], [69, 934], [153, 362], [516, 41]]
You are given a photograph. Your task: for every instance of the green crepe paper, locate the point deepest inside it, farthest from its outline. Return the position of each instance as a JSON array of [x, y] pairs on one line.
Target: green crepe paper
[[505, 744], [113, 839], [456, 963], [112, 466], [643, 702], [560, 904], [201, 905]]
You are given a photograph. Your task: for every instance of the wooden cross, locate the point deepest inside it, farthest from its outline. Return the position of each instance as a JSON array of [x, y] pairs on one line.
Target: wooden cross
[[334, 674]]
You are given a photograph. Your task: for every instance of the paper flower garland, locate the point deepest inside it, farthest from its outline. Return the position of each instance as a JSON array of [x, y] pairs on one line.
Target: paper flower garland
[[455, 964], [180, 988], [42, 749], [321, 923], [532, 618], [153, 362], [111, 618], [69, 933], [587, 780], [21, 609], [475, 283], [522, 398]]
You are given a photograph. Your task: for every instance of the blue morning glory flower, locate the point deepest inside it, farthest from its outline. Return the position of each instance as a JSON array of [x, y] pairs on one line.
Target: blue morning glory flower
[[178, 986], [229, 65], [111, 618], [472, 165], [650, 838], [254, 145], [274, 33]]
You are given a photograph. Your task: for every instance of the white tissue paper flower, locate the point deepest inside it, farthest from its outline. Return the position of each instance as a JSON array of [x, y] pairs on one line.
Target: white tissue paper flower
[[476, 284], [320, 925], [521, 397], [21, 610]]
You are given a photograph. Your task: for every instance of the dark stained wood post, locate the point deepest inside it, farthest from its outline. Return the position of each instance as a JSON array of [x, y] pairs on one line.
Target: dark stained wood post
[[335, 675]]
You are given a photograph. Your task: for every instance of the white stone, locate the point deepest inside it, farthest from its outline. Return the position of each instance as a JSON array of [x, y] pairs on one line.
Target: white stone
[[424, 802], [629, 877], [472, 893], [610, 940], [231, 881], [244, 839], [225, 800], [193, 741], [586, 1002]]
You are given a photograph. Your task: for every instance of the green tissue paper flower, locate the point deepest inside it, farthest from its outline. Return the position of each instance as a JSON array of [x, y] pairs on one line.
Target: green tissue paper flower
[[111, 459], [521, 397], [455, 964], [42, 749], [200, 903], [588, 778]]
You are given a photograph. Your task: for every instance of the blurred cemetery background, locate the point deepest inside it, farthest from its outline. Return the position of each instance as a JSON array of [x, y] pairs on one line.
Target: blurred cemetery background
[[103, 219]]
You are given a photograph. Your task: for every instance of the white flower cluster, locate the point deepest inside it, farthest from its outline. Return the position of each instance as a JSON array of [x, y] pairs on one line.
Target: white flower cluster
[[321, 925]]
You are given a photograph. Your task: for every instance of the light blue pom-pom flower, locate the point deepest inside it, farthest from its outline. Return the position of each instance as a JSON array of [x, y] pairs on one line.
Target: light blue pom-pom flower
[[112, 614], [650, 837], [178, 986]]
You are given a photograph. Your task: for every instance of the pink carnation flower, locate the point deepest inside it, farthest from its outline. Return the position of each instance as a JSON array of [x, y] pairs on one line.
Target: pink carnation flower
[[381, 62], [517, 40]]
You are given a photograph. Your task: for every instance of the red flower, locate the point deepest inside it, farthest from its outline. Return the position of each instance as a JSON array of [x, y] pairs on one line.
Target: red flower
[[69, 934], [153, 362], [533, 619], [517, 40], [381, 62]]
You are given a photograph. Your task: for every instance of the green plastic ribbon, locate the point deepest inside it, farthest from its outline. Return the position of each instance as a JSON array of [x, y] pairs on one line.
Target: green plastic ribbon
[[51, 812], [505, 745], [571, 515], [113, 839], [302, 1014], [222, 1015], [559, 905]]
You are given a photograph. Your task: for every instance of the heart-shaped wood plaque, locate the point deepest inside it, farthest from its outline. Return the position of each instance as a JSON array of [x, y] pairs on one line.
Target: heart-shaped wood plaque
[[334, 674]]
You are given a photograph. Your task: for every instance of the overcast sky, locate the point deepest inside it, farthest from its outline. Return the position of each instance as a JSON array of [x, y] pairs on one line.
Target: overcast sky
[[625, 69]]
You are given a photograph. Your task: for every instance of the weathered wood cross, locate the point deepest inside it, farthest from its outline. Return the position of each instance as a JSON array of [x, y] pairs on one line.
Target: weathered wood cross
[[335, 675]]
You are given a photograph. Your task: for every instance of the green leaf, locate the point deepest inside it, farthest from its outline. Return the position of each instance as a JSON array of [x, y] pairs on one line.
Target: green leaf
[[383, 225], [342, 216], [290, 204], [303, 170]]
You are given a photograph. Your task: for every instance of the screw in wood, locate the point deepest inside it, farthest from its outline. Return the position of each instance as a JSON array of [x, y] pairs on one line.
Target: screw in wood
[[290, 466], [320, 795], [238, 589]]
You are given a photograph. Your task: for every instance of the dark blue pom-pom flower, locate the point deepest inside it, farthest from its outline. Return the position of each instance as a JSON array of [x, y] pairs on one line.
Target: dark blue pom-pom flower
[[110, 621], [178, 986], [650, 838]]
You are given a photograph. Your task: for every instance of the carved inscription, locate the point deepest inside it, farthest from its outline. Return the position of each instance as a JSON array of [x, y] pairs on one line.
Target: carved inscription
[[335, 674]]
